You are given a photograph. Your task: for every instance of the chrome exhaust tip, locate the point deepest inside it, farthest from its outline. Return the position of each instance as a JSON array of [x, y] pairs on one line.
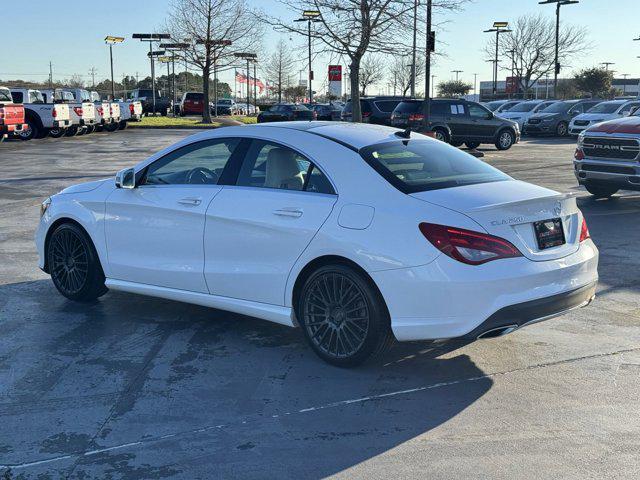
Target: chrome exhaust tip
[[498, 331]]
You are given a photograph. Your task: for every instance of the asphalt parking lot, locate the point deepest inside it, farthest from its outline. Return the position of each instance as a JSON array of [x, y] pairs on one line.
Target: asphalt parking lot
[[138, 388]]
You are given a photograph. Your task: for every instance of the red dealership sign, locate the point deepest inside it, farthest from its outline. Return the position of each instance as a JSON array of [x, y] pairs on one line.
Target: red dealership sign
[[512, 85], [335, 73]]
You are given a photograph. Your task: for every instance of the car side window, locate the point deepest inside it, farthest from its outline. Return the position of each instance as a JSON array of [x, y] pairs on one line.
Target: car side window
[[476, 111], [576, 110], [627, 108], [270, 165], [457, 109], [17, 97], [200, 163]]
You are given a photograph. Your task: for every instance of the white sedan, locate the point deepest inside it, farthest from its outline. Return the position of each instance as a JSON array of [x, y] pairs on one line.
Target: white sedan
[[355, 233]]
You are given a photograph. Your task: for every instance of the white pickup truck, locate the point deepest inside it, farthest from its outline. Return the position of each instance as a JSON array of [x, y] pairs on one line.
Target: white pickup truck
[[75, 111], [130, 111], [41, 118], [84, 108], [103, 111]]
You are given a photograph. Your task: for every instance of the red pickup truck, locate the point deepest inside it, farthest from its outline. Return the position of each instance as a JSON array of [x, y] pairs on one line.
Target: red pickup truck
[[11, 115], [607, 158]]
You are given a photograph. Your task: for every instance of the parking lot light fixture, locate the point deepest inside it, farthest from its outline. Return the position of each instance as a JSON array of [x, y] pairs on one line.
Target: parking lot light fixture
[[173, 48], [152, 37], [457, 72], [111, 41], [498, 27], [249, 57], [309, 16], [606, 65], [556, 66]]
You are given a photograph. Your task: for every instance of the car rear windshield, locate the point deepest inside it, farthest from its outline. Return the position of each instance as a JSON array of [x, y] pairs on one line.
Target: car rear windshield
[[387, 106], [421, 165], [408, 107], [194, 96], [605, 107], [5, 95], [523, 107]]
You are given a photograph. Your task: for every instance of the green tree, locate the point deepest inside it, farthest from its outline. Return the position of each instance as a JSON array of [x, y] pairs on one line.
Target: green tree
[[453, 88], [594, 81]]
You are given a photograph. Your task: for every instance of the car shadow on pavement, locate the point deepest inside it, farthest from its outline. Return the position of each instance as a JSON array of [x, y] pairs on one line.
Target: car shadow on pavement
[[139, 387]]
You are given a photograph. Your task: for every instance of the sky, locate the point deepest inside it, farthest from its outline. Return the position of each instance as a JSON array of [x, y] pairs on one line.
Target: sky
[[70, 35]]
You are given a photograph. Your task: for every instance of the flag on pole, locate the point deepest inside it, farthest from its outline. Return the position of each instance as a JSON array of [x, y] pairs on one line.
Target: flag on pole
[[242, 78]]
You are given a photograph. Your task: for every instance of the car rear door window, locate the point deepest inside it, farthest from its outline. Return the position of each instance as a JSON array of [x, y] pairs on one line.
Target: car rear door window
[[17, 97], [476, 111], [270, 165], [201, 163]]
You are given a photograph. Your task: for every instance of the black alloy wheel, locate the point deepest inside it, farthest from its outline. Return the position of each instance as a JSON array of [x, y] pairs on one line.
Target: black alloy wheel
[[74, 265], [343, 318]]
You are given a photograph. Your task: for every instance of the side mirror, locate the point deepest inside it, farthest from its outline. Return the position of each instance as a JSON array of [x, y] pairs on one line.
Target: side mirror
[[126, 178]]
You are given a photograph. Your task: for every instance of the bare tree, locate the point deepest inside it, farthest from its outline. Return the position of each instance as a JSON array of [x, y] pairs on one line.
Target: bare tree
[[399, 72], [530, 47], [279, 67], [216, 30], [371, 72]]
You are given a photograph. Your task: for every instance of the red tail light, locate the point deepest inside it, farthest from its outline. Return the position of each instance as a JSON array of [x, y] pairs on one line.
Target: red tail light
[[584, 230], [366, 114], [54, 113], [78, 111], [314, 115], [100, 111], [467, 246], [416, 117], [1, 115], [131, 109], [579, 155]]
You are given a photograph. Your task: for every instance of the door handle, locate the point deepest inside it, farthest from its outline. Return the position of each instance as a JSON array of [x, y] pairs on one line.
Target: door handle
[[191, 201], [288, 212]]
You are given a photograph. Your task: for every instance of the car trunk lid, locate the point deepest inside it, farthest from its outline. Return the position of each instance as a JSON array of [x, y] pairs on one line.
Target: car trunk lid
[[509, 209]]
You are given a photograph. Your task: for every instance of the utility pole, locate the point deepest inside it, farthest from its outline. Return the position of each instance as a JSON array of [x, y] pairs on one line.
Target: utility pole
[[475, 82], [624, 85], [606, 65], [92, 72], [433, 86], [429, 47], [413, 53], [152, 37], [111, 40], [556, 69], [50, 75], [457, 72], [255, 88]]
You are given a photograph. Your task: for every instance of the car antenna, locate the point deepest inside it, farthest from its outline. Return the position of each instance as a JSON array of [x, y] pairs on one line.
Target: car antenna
[[405, 133]]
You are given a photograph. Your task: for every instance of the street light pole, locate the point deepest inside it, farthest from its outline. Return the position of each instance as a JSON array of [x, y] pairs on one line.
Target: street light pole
[[110, 40], [309, 16], [429, 47], [413, 59], [606, 65], [498, 27], [152, 37], [457, 72], [556, 66]]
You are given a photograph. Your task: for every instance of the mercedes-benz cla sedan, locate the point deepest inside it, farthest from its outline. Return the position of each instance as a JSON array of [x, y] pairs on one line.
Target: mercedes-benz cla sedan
[[357, 234]]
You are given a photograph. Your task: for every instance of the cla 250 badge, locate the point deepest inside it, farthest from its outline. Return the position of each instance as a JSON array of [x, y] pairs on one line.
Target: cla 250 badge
[[507, 221]]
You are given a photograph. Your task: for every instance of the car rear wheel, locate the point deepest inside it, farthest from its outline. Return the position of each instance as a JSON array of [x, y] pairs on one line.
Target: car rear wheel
[[90, 129], [562, 129], [32, 130], [441, 134], [600, 191], [57, 132], [74, 265], [472, 145], [122, 125], [506, 139], [71, 131], [343, 316], [111, 127]]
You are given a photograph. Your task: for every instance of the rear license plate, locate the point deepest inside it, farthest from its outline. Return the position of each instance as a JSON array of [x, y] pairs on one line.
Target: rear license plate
[[549, 233]]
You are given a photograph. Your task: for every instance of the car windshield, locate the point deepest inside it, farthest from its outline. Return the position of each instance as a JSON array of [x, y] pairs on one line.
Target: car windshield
[[523, 107], [5, 95], [560, 107], [224, 101], [299, 108], [605, 107], [421, 165], [494, 105]]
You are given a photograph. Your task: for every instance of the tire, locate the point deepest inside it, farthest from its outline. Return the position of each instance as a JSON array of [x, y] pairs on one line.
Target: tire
[[111, 127], [442, 135], [90, 129], [562, 129], [457, 144], [71, 131], [506, 139], [343, 316], [472, 145], [74, 265], [32, 131], [164, 112], [57, 132], [122, 125], [600, 190]]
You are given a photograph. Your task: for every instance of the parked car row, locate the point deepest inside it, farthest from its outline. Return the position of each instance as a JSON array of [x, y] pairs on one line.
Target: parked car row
[[62, 111]]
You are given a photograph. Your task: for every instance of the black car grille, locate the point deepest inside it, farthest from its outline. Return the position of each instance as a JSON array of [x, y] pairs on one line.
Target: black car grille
[[611, 148], [534, 121], [581, 123]]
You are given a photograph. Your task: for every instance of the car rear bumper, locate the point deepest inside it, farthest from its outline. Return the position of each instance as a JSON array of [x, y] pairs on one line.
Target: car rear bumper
[[12, 128], [61, 123], [448, 299]]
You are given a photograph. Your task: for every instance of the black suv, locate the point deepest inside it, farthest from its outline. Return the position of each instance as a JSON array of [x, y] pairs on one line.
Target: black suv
[[458, 121], [145, 96], [282, 112], [374, 109]]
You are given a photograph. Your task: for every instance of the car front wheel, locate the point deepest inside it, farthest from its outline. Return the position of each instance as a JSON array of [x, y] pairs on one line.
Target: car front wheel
[[74, 265], [562, 129], [441, 135], [343, 316], [505, 140]]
